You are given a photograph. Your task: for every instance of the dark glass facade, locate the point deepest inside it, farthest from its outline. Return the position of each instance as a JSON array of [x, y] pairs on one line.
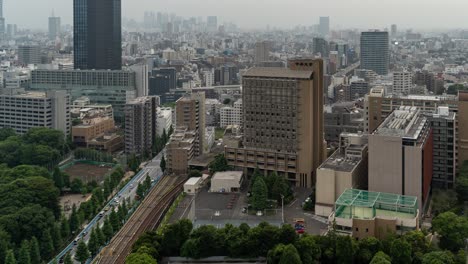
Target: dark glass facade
[[97, 34]]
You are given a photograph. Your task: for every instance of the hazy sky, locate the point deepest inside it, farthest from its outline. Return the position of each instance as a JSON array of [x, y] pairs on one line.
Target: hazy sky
[[364, 14]]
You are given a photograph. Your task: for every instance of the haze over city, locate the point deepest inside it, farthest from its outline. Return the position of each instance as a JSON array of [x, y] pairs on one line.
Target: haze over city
[[364, 14]]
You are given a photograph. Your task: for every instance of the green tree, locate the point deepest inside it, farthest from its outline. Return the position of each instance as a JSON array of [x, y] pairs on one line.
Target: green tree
[[101, 238], [147, 183], [47, 245], [259, 194], [461, 187], [367, 248], [76, 185], [64, 227], [137, 258], [58, 179], [24, 255], [35, 252], [453, 89], [93, 243], [140, 190], [162, 164], [443, 200], [68, 259], [10, 257], [56, 237], [453, 230], [344, 249], [381, 258], [107, 229], [175, 236], [308, 249], [274, 255], [219, 164], [114, 220], [191, 249], [290, 256], [438, 257], [6, 132], [74, 221], [400, 251], [82, 252], [194, 173], [254, 177]]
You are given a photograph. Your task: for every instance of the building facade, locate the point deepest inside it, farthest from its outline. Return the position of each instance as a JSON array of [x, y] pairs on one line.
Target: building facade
[[443, 124], [262, 51], [190, 113], [29, 55], [283, 121], [163, 120], [97, 34], [324, 26], [402, 82], [375, 54], [54, 27], [140, 125], [231, 115], [401, 155], [345, 169], [21, 110], [100, 86]]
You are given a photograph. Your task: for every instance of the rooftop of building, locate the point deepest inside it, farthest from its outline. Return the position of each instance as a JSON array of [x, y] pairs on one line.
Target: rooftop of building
[[406, 122], [340, 160], [354, 203], [228, 175], [277, 73], [139, 100], [92, 121], [27, 95]]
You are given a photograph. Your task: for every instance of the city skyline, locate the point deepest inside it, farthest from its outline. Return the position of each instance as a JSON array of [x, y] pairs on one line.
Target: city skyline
[[378, 14]]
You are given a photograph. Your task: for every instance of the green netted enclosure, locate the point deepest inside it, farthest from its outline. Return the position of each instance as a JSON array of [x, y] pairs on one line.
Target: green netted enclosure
[[361, 204]]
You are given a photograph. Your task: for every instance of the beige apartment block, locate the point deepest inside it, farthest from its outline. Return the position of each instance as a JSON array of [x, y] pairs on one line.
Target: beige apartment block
[[190, 113], [282, 121], [345, 169], [91, 128]]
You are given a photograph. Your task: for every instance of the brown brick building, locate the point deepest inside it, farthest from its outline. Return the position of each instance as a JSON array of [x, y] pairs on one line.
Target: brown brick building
[[283, 121]]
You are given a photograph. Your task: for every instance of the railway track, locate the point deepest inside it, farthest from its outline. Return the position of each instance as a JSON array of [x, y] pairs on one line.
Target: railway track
[[147, 217]]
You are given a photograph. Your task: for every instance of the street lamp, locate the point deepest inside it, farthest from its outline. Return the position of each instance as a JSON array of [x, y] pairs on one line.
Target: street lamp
[[282, 208]]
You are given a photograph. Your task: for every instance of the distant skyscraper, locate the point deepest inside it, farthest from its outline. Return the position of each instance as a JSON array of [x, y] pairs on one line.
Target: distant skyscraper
[[320, 45], [324, 26], [2, 20], [262, 51], [54, 27], [212, 23], [1, 8], [97, 34], [394, 30], [375, 51]]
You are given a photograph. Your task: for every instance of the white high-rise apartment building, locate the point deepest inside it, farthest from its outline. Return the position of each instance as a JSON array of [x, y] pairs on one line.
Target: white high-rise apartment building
[[231, 115], [22, 110], [402, 82], [209, 78], [163, 120]]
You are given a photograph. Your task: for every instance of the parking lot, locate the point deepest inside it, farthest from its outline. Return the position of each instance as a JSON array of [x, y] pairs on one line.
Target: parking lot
[[220, 208]]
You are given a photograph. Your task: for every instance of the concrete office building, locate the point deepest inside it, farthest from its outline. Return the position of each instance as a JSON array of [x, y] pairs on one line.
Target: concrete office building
[[402, 82], [212, 23], [345, 169], [180, 150], [379, 105], [358, 88], [283, 121], [394, 30], [324, 26], [97, 34], [100, 86], [231, 115], [190, 113], [375, 54], [54, 27], [82, 106], [462, 127], [29, 55], [22, 110], [443, 124], [262, 51], [342, 117], [213, 112], [140, 125], [162, 80], [320, 45], [97, 133], [401, 155], [163, 120]]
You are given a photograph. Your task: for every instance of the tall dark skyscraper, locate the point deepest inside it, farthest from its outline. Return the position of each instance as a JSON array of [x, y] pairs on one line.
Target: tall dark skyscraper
[[375, 51], [97, 34], [324, 26]]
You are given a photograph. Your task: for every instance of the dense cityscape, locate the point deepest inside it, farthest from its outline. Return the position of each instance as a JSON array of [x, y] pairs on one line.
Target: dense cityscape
[[192, 139]]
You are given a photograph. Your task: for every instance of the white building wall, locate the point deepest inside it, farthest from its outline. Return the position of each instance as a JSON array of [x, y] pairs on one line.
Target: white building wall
[[163, 120]]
